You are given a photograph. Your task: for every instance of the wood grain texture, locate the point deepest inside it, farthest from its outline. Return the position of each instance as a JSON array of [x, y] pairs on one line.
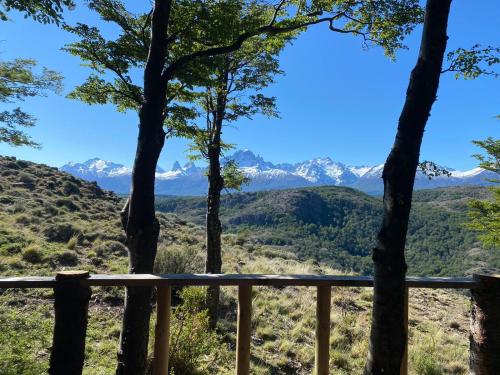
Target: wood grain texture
[[244, 333], [322, 352], [162, 331], [236, 280]]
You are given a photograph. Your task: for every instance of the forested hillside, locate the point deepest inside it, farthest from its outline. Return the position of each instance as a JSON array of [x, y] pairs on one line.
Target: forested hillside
[[338, 225]]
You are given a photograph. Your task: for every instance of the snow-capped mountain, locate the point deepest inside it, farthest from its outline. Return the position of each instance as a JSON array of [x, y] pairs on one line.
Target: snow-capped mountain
[[96, 168], [191, 180]]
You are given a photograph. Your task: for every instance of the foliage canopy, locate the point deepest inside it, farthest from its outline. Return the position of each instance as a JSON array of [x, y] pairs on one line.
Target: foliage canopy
[[18, 81], [44, 11], [485, 214], [202, 28]]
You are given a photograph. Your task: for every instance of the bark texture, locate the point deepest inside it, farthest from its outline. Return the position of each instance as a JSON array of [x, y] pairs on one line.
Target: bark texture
[[71, 302], [485, 327], [213, 225], [138, 216], [388, 337]]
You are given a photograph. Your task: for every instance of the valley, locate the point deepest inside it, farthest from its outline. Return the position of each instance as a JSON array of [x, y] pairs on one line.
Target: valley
[[338, 226], [51, 221]]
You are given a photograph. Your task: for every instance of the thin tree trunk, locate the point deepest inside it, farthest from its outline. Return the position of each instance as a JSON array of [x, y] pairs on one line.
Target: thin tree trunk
[[215, 185], [213, 225], [138, 217], [213, 231], [388, 336]]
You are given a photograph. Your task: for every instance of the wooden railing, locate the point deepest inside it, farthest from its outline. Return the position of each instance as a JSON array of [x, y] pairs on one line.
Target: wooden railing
[[72, 293]]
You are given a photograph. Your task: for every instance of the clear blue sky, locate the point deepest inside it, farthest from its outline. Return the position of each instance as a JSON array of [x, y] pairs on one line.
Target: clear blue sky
[[335, 100]]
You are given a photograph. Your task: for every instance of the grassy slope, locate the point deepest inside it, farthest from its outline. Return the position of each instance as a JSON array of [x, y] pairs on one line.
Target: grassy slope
[[338, 226], [47, 224]]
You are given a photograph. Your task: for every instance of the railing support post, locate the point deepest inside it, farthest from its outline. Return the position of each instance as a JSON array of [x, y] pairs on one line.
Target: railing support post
[[71, 302], [485, 326], [244, 330], [162, 330], [323, 307], [404, 361]]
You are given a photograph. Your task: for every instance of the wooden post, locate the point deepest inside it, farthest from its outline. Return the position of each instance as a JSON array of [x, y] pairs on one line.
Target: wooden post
[[323, 307], [162, 331], [404, 361], [71, 302], [485, 326], [244, 330]]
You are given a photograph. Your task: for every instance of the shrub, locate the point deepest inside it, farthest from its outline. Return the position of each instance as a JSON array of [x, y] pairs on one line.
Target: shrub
[[70, 188], [27, 180], [32, 254], [456, 368], [102, 249], [18, 207], [6, 200], [23, 219], [68, 203], [60, 232], [427, 365], [50, 209], [195, 349], [68, 258], [241, 238], [177, 259], [11, 164], [339, 359], [22, 163], [72, 242], [11, 248], [425, 359]]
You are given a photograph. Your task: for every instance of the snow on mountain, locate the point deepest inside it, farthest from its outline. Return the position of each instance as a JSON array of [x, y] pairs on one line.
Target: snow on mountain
[[324, 171], [95, 168], [359, 171], [473, 172], [190, 179]]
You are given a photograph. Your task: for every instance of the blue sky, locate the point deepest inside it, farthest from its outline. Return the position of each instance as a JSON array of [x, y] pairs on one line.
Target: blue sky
[[335, 100]]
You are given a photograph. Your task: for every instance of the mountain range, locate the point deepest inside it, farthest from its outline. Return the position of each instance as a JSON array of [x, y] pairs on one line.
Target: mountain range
[[190, 180]]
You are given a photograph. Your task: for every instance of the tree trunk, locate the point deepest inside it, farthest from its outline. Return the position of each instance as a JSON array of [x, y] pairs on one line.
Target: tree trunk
[[388, 336], [484, 328], [138, 216], [213, 225]]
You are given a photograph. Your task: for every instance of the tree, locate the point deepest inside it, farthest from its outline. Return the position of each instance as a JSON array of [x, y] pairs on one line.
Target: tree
[[231, 90], [163, 42], [17, 79], [473, 62], [44, 11], [484, 215], [388, 338], [18, 82]]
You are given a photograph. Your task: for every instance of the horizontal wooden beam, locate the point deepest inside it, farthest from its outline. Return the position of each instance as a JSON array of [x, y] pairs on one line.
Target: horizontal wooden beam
[[237, 280]]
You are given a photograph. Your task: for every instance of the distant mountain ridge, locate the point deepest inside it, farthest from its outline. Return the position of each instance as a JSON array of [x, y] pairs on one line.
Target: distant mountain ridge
[[339, 225], [190, 179]]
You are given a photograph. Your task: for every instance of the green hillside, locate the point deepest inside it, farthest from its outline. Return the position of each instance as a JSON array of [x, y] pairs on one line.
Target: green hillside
[[51, 221], [338, 226]]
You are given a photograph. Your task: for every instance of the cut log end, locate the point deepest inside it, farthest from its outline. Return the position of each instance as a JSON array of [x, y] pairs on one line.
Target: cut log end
[[72, 275]]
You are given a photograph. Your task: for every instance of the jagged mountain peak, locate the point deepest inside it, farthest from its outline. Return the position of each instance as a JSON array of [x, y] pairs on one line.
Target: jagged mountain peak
[[246, 158], [176, 166], [191, 180]]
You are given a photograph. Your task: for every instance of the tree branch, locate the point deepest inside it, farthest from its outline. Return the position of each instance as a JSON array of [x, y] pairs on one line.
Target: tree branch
[[169, 72]]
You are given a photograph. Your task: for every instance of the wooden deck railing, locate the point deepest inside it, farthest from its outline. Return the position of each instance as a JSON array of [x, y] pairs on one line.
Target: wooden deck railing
[[71, 312]]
